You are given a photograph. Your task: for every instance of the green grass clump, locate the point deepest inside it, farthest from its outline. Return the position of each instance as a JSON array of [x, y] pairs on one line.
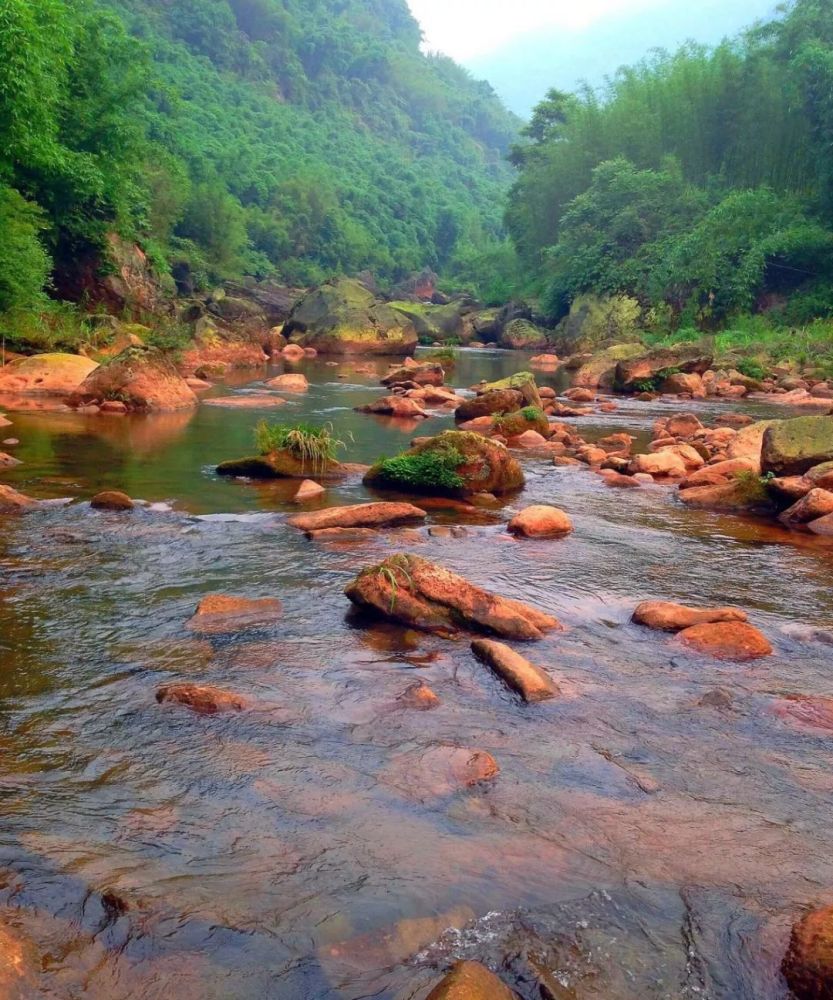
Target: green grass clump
[[750, 368], [433, 469], [309, 444], [533, 413], [752, 488], [441, 356]]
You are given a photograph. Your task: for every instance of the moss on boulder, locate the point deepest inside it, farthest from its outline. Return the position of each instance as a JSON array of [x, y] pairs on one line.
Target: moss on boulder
[[521, 335], [454, 463], [522, 382], [793, 447]]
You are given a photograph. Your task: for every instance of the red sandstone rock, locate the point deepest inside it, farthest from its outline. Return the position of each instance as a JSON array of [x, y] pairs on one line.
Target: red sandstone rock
[[362, 515], [251, 402], [470, 981], [808, 964], [540, 520], [289, 382], [219, 613], [418, 696], [672, 617], [531, 682], [112, 500], [737, 641], [203, 699], [814, 505], [661, 463]]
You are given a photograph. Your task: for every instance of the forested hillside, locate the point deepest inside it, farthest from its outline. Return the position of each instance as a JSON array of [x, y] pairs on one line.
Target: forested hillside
[[294, 138], [700, 183]]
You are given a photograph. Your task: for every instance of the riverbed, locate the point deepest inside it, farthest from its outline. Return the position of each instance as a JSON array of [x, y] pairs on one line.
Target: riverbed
[[641, 840]]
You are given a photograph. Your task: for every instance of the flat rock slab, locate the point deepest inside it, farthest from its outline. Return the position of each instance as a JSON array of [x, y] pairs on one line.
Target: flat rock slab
[[670, 617], [426, 596], [202, 699], [736, 641], [531, 682], [220, 613], [471, 981], [363, 515], [246, 402]]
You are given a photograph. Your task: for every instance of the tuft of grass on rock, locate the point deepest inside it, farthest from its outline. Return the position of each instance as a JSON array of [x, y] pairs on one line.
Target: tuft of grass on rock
[[309, 444]]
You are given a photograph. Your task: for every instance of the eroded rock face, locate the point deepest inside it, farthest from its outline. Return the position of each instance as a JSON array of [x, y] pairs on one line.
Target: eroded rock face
[[732, 640], [531, 682], [53, 374], [202, 699], [12, 502], [808, 964], [343, 317], [143, 379], [793, 447], [361, 515], [454, 463], [470, 981], [671, 617], [221, 613], [541, 521], [409, 589]]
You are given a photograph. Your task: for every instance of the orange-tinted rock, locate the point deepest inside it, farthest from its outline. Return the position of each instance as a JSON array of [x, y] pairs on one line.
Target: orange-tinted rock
[[112, 500], [8, 461], [712, 474], [580, 395], [346, 536], [113, 406], [822, 526], [250, 402], [622, 482], [737, 641], [488, 403], [661, 463], [814, 505], [12, 502], [203, 699], [219, 613], [441, 770], [308, 490], [470, 981], [142, 379], [362, 515], [57, 374], [429, 597], [682, 383], [545, 360], [808, 963], [426, 373], [289, 382], [419, 697], [690, 456], [728, 496], [531, 682], [672, 617], [529, 439], [294, 352], [394, 406], [540, 520]]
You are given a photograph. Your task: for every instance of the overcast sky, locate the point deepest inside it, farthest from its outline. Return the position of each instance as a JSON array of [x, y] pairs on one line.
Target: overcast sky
[[465, 29]]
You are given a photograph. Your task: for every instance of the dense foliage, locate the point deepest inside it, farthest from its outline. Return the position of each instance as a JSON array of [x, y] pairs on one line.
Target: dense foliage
[[700, 183], [295, 138]]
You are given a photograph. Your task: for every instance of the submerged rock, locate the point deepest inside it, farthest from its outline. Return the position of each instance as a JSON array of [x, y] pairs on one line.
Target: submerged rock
[[470, 981], [343, 317], [540, 521], [203, 699], [112, 500], [456, 463], [219, 613], [418, 696], [808, 964], [308, 490], [732, 640], [670, 617], [427, 596], [361, 515], [531, 682], [440, 771]]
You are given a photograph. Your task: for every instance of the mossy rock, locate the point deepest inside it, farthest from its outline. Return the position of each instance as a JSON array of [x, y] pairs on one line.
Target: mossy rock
[[454, 463], [343, 317], [793, 447], [281, 464], [530, 418], [432, 321], [521, 335], [599, 371], [487, 403], [522, 382]]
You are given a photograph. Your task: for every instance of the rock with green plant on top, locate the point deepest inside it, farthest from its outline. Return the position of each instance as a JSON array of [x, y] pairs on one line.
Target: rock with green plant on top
[[522, 382], [343, 317], [497, 401], [53, 374], [454, 463], [598, 371], [530, 418], [522, 335], [426, 596], [143, 378], [793, 447], [649, 372], [291, 451]]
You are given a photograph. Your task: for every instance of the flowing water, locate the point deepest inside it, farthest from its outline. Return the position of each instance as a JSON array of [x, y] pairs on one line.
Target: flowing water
[[637, 843]]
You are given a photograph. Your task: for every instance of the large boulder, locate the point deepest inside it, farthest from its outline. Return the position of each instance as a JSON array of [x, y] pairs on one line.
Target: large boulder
[[656, 366], [521, 335], [454, 463], [730, 640], [343, 317], [54, 374], [433, 322], [594, 323], [488, 403], [793, 447], [541, 521], [599, 371], [522, 382], [419, 593], [144, 379]]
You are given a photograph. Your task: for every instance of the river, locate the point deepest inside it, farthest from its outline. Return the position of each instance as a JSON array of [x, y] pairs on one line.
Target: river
[[637, 843]]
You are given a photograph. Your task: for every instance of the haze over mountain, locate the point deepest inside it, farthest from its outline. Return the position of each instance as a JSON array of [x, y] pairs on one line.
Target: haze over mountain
[[527, 65]]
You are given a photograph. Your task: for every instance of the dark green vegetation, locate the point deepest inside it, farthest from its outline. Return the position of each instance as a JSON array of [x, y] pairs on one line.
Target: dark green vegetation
[[426, 470], [698, 184], [313, 446], [294, 138]]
